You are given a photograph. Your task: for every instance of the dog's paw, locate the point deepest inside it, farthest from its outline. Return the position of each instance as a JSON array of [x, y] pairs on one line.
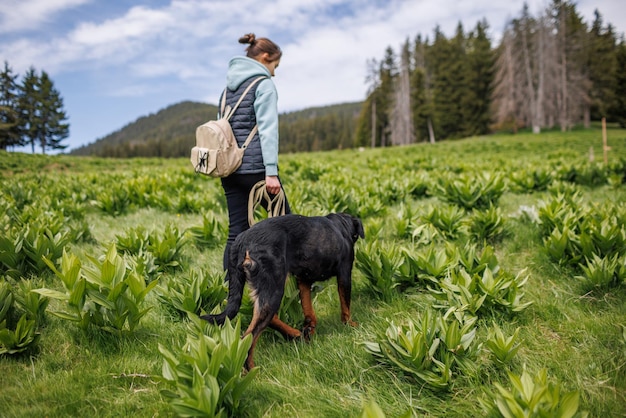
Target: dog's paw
[[307, 332]]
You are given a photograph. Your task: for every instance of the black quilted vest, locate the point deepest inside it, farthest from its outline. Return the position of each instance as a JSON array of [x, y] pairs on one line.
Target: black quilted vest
[[242, 122]]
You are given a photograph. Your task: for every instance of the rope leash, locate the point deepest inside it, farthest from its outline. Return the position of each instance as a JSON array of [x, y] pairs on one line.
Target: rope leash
[[275, 205]]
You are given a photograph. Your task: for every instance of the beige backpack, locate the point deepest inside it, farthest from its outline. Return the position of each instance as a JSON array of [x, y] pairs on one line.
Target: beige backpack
[[217, 153]]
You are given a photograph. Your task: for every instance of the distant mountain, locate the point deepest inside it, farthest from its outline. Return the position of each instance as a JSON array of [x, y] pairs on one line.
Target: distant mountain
[[171, 131]]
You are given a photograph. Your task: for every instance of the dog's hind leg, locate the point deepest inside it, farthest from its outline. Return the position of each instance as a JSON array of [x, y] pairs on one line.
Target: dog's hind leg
[[266, 305], [310, 320], [344, 287], [288, 332]]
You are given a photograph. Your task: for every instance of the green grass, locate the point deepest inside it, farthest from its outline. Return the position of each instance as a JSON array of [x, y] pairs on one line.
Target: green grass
[[576, 335]]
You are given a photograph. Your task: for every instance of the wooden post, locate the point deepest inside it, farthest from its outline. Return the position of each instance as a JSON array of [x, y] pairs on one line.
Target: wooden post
[[605, 146]]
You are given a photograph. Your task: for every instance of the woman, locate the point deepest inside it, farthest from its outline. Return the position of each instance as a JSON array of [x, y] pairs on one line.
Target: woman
[[259, 107]]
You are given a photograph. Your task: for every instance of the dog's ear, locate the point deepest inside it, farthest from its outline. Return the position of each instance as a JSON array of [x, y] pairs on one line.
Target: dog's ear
[[358, 228]]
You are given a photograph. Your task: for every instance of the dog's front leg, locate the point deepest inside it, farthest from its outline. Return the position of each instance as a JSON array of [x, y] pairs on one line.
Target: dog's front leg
[[310, 320]]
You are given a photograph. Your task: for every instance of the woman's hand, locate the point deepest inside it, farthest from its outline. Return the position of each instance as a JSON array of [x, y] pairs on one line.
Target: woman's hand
[[272, 184]]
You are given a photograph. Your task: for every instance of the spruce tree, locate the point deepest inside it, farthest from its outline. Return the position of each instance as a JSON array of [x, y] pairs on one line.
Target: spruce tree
[[447, 58], [53, 128], [29, 109], [384, 96], [478, 82], [602, 67], [420, 91], [618, 110], [9, 112], [41, 112]]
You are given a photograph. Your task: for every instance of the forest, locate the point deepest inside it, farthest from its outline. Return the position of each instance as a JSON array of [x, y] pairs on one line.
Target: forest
[[547, 71], [551, 71]]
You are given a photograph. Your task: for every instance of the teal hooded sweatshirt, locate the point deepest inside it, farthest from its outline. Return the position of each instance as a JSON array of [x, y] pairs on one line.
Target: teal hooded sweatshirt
[[265, 106]]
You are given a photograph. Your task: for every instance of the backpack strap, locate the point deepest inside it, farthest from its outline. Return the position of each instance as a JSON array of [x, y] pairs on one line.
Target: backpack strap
[[250, 136], [229, 110]]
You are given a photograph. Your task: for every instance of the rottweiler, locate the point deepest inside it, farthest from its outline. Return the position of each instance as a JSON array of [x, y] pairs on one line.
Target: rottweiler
[[310, 248]]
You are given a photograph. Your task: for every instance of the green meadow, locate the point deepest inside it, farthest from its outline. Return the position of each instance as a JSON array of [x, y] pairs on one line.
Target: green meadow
[[491, 282]]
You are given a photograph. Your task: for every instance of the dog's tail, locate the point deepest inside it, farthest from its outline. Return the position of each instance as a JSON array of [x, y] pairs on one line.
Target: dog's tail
[[236, 283]]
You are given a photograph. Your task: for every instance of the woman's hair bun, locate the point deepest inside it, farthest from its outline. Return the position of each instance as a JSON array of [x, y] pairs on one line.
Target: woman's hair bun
[[248, 38]]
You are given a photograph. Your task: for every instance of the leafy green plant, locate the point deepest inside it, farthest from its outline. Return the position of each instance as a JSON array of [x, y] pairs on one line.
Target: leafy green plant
[[167, 246], [430, 264], [106, 293], [475, 260], [588, 174], [504, 290], [486, 224], [603, 235], [134, 241], [502, 348], [563, 211], [144, 264], [403, 222], [469, 192], [114, 200], [209, 235], [459, 292], [201, 291], [430, 348], [563, 246], [12, 258], [379, 263], [424, 234], [532, 397], [447, 219], [601, 272], [205, 374], [21, 312], [477, 293], [532, 180]]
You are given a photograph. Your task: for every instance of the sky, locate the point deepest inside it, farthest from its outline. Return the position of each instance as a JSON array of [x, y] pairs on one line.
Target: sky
[[114, 61]]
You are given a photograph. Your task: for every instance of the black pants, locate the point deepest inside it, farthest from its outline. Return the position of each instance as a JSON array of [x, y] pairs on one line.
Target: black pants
[[237, 189]]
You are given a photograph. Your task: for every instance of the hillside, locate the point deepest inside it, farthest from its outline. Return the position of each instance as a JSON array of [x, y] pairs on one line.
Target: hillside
[[171, 131]]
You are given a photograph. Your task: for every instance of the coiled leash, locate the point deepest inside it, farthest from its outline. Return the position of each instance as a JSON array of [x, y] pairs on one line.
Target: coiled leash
[[275, 205]]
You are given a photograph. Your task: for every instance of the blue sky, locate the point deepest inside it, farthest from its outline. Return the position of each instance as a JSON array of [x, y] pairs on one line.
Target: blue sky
[[114, 61]]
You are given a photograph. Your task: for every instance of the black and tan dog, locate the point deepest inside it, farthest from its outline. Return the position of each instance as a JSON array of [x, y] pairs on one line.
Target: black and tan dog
[[310, 248]]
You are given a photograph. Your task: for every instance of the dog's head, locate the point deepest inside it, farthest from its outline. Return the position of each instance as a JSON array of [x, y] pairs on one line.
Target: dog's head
[[350, 223]]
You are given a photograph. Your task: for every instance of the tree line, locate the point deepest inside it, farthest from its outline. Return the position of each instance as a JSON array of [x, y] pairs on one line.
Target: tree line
[[31, 112], [549, 71]]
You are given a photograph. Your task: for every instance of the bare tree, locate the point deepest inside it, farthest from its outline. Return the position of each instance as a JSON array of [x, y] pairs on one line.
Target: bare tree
[[539, 73], [401, 120], [372, 80], [506, 93]]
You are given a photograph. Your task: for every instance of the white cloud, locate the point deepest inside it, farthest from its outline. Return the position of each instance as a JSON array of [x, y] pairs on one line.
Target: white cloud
[[16, 15]]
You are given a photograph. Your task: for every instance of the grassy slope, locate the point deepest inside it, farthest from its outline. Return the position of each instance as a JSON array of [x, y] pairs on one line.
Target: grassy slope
[[574, 335]]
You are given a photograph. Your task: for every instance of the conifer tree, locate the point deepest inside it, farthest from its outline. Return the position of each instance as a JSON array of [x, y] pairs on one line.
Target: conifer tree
[[478, 82], [384, 95], [53, 128], [9, 112], [421, 94], [618, 110], [28, 106], [447, 61], [41, 112], [602, 67]]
